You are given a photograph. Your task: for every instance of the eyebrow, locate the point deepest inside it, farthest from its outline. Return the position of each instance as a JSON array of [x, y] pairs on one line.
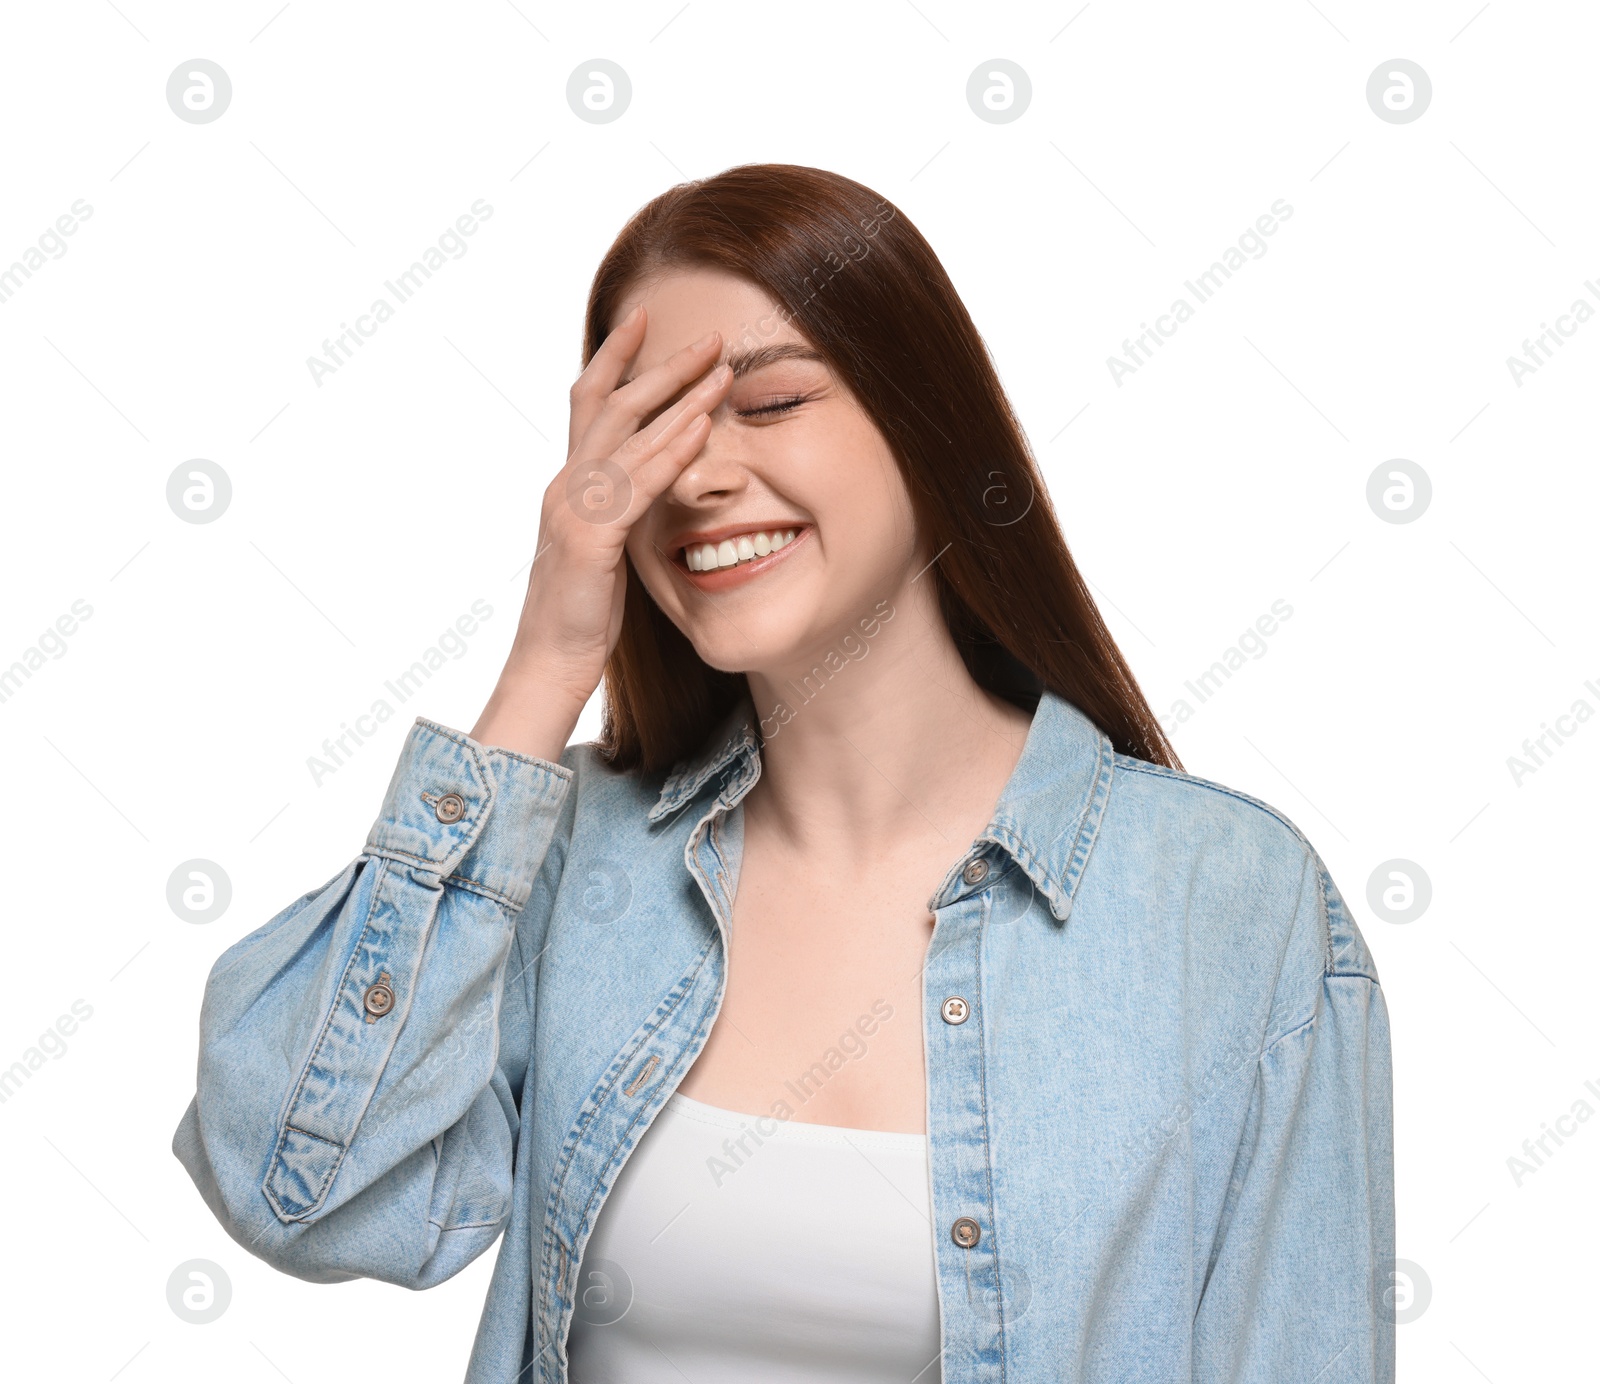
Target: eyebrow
[[759, 357]]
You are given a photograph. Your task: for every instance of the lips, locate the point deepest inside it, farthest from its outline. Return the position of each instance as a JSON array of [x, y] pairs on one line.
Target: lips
[[718, 559], [736, 548]]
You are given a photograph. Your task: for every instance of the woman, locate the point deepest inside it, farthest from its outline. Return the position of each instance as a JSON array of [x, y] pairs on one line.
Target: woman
[[877, 999]]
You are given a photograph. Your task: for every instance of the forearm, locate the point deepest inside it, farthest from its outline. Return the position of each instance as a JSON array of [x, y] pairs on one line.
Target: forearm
[[529, 713]]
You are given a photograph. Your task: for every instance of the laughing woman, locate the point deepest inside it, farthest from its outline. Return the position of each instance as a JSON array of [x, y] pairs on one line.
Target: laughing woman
[[876, 999]]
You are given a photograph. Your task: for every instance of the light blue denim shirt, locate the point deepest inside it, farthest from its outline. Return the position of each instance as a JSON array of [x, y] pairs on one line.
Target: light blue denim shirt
[[1164, 1124]]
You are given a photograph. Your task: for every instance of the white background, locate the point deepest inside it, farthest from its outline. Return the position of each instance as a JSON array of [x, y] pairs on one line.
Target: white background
[[372, 510]]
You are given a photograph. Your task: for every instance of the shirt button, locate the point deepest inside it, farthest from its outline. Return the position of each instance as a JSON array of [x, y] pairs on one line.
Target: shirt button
[[378, 1001], [976, 872], [955, 1010], [450, 808], [965, 1232]]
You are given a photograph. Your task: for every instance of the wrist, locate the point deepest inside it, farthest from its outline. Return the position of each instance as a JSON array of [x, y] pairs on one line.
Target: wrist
[[530, 715]]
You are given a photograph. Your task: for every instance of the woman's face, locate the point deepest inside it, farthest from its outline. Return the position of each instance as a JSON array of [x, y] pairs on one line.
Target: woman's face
[[790, 450]]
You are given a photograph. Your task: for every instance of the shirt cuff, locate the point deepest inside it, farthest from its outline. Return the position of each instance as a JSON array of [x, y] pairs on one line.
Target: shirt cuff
[[469, 812]]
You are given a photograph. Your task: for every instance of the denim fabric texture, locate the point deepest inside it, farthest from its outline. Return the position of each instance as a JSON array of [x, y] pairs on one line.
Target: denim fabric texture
[[1169, 1112]]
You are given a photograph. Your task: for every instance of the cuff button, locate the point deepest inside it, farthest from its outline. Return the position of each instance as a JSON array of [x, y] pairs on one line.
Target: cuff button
[[450, 808]]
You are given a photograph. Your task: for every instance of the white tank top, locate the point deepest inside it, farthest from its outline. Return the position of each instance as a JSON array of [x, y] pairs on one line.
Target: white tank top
[[738, 1247]]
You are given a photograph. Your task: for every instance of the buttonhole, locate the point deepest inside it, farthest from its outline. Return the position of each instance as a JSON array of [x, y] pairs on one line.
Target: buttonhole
[[644, 1075]]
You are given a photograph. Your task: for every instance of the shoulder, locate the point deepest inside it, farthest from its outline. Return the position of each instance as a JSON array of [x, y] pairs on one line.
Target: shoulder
[[601, 788], [1245, 852], [1163, 800]]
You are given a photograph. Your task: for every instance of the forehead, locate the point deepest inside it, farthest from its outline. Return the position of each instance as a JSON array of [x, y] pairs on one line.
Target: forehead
[[682, 305]]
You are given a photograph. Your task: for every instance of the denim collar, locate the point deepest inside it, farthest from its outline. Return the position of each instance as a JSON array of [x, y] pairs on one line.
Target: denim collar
[[1047, 818], [731, 748]]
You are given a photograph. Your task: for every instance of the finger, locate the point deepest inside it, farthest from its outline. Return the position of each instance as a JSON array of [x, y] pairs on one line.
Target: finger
[[608, 493], [627, 407], [609, 496], [664, 461], [599, 377], [636, 448], [701, 397]]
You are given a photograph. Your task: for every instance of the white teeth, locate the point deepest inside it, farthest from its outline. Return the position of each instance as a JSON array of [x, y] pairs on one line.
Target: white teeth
[[708, 557]]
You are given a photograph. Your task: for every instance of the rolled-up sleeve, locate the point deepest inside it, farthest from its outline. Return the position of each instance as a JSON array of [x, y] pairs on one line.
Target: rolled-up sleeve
[[354, 1114], [1297, 1286]]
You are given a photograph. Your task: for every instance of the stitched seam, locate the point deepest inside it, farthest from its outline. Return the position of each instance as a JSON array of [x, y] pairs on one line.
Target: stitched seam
[[1038, 874], [683, 786], [561, 771], [665, 1012], [670, 1007], [681, 798], [1161, 771], [662, 811], [1327, 921], [1086, 827], [1140, 766], [467, 743], [1094, 812], [474, 886], [639, 1113], [1329, 890], [1311, 1022], [485, 784], [327, 1024], [327, 1178], [395, 853], [591, 1109], [715, 833], [468, 1225], [988, 1153], [486, 780]]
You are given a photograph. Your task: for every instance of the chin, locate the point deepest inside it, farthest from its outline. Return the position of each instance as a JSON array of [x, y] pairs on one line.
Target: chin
[[751, 648]]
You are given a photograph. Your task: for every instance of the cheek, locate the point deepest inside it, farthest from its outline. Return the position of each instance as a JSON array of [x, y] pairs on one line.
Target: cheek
[[647, 536], [849, 473], [864, 515], [647, 567], [662, 589], [876, 504]]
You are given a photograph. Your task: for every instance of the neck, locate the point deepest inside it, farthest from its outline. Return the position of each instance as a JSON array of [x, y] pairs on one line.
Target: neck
[[882, 738]]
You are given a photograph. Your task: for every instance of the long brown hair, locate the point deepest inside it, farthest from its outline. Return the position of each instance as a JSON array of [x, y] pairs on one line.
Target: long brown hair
[[858, 281]]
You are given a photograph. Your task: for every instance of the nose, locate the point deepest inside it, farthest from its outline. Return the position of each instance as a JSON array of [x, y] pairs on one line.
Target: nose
[[717, 472]]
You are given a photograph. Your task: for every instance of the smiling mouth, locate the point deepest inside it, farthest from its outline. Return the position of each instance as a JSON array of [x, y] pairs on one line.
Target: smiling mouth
[[738, 551]]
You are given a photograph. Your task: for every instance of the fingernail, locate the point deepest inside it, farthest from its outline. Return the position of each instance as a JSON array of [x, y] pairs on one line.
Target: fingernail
[[706, 340]]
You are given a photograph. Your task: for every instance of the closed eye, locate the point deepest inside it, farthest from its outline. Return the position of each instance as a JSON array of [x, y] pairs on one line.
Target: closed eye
[[776, 406]]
